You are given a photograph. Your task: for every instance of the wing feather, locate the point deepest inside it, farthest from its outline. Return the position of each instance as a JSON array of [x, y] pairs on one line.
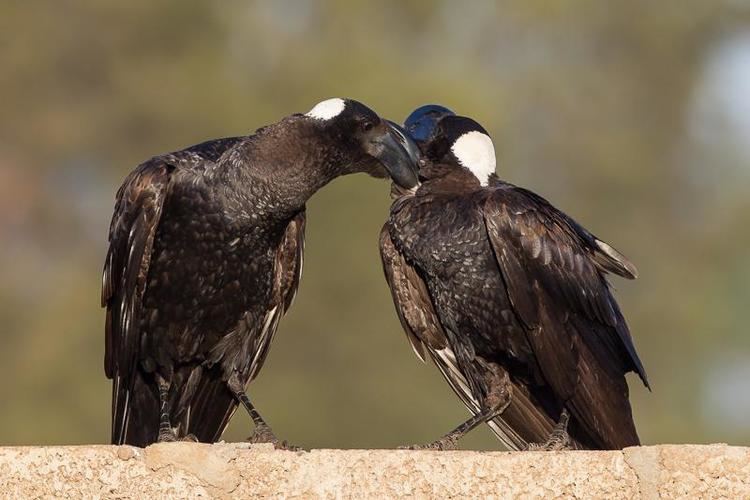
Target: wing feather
[[136, 217], [138, 210], [547, 260]]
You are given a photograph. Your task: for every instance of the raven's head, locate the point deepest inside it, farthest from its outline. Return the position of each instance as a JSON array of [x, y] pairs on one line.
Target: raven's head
[[366, 142], [446, 138]]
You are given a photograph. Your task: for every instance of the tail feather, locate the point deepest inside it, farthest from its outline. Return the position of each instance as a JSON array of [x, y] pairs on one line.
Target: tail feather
[[528, 421], [136, 417], [212, 407], [602, 408]]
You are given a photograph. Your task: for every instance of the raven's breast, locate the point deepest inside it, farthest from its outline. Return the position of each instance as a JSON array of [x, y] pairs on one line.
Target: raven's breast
[[207, 272], [446, 239]]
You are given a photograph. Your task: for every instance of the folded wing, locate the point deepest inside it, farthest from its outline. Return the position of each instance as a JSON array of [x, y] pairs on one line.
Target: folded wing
[[554, 274], [131, 237], [138, 211]]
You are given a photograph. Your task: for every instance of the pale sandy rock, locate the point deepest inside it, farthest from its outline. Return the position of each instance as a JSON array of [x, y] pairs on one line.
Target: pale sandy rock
[[192, 470]]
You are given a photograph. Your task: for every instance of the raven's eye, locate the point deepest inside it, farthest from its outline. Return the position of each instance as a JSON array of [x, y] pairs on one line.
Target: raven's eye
[[367, 125]]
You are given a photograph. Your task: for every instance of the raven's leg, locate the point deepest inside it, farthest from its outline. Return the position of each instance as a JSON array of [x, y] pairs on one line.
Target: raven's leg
[[559, 439], [495, 404], [166, 433], [262, 432]]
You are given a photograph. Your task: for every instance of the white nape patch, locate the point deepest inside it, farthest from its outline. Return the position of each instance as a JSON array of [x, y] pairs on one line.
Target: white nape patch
[[325, 110], [475, 151]]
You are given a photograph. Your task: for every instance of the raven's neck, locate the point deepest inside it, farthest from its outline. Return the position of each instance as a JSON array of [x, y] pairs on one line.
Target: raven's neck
[[273, 173]]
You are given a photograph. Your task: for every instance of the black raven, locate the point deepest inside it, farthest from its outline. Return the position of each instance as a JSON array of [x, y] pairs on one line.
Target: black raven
[[508, 296], [205, 255]]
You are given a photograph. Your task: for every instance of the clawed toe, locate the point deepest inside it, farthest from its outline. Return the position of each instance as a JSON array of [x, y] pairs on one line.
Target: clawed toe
[[264, 434], [439, 445], [285, 445], [558, 440], [550, 445], [166, 437], [171, 437]]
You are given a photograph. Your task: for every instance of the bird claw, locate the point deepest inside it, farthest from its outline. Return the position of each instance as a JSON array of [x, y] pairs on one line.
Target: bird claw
[[558, 440], [264, 434], [552, 444], [286, 446], [171, 437], [443, 444], [166, 437]]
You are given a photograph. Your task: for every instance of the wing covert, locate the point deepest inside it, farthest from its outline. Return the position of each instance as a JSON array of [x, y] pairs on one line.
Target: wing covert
[[539, 248]]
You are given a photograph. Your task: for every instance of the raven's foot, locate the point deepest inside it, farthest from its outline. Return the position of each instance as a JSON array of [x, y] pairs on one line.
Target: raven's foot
[[448, 442], [553, 443], [166, 436], [169, 436], [496, 402], [264, 434], [558, 440]]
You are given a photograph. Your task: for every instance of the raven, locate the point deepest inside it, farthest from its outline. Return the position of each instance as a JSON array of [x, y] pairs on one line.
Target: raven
[[508, 297], [205, 256]]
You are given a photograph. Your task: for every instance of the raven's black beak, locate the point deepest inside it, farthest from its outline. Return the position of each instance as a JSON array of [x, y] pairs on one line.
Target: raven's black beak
[[422, 122], [393, 151], [404, 138]]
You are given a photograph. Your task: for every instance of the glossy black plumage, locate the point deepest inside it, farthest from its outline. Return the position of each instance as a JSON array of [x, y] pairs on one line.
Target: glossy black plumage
[[205, 256], [494, 277]]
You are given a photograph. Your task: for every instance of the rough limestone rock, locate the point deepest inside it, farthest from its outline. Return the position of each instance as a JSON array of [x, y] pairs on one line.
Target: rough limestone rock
[[191, 470]]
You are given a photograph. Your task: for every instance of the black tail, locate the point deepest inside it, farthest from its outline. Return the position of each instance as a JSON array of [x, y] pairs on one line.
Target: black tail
[[135, 419], [213, 404]]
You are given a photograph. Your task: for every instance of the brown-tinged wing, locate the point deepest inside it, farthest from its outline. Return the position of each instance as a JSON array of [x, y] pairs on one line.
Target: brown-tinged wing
[[555, 280], [287, 275], [138, 208]]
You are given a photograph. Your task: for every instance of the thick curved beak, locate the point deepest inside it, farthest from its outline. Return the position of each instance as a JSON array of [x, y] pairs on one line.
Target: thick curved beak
[[405, 140], [393, 151]]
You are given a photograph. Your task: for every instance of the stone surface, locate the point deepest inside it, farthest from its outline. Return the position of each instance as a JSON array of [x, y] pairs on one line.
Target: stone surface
[[192, 470]]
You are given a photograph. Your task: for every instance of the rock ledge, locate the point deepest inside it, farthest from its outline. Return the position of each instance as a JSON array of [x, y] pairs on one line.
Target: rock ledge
[[188, 470]]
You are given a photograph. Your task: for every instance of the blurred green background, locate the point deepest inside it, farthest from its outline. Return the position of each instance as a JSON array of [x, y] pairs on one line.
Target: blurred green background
[[632, 116]]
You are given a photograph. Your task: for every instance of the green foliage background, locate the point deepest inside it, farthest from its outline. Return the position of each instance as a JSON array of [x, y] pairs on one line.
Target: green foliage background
[[591, 104]]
